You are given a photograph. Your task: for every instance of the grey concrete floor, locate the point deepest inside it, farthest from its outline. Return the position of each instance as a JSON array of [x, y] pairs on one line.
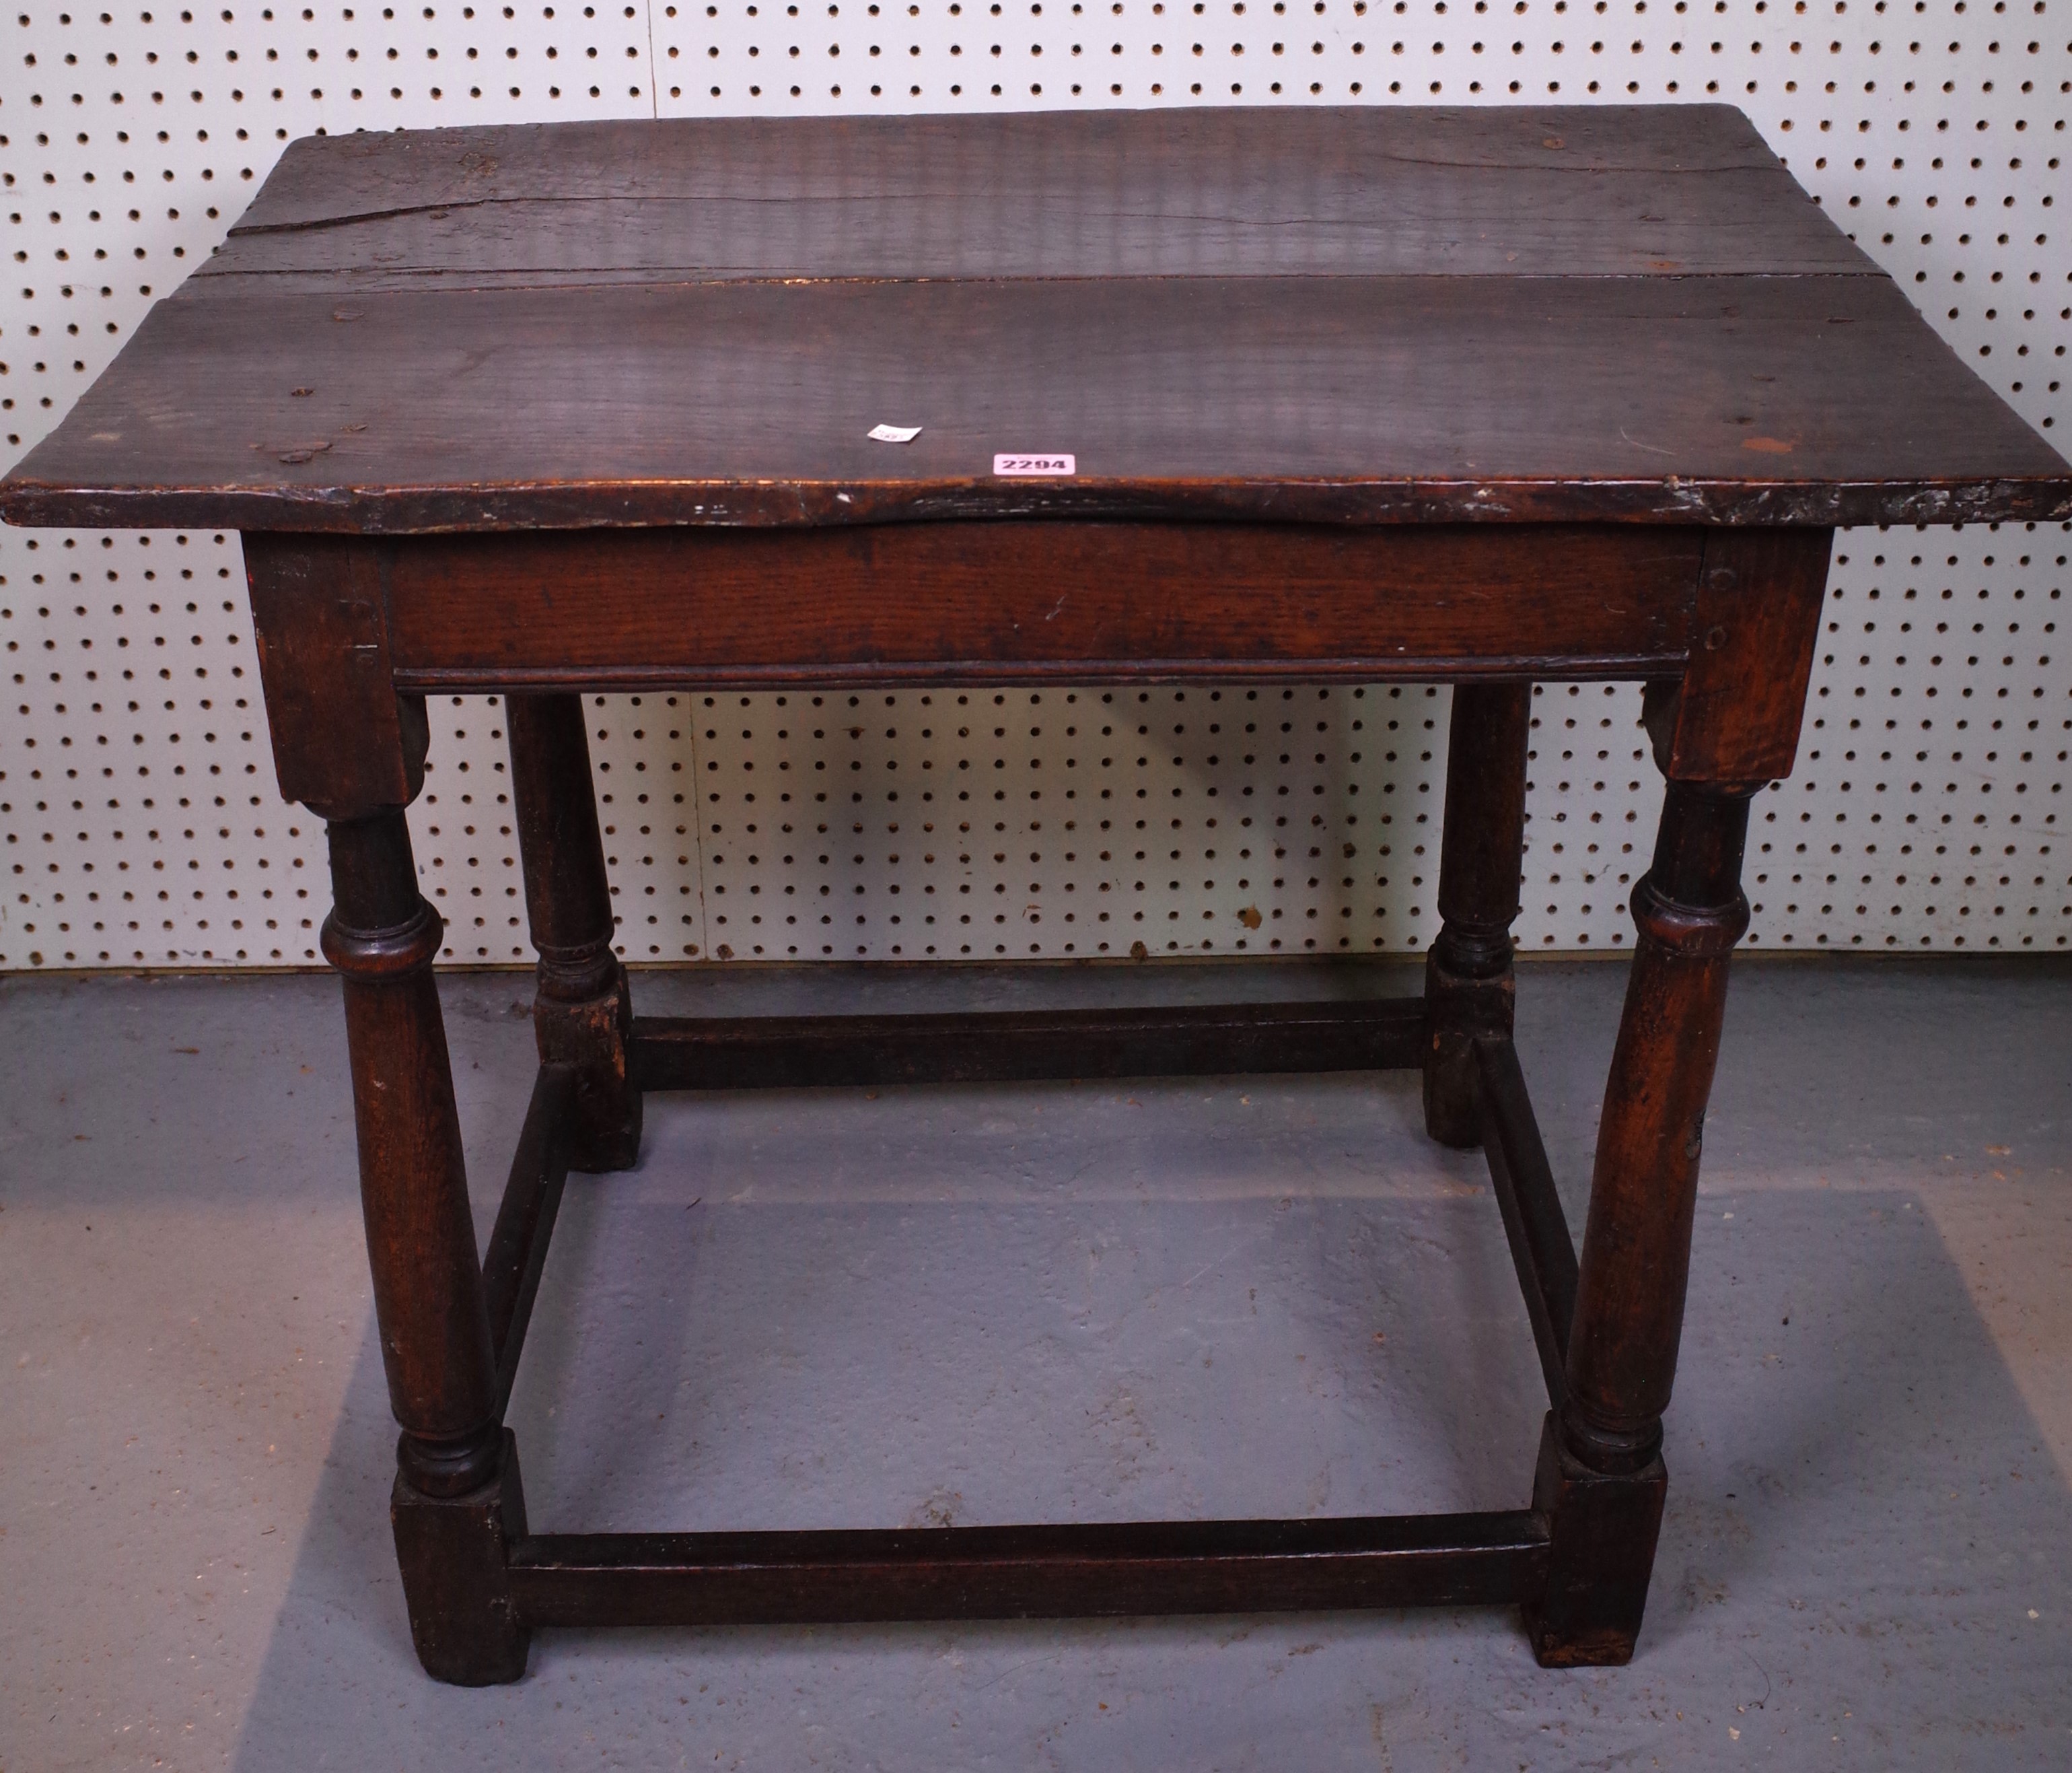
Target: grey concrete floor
[[1210, 1297]]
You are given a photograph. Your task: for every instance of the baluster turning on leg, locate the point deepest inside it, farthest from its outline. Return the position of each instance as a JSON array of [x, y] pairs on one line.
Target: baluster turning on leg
[[583, 1013], [1601, 1478], [1469, 991], [456, 1500]]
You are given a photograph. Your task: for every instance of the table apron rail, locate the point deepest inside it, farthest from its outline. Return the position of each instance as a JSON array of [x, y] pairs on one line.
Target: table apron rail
[[1029, 602], [990, 674]]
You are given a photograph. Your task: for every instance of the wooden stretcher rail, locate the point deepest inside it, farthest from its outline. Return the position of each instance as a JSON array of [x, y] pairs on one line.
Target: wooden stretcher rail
[[1533, 1221], [1032, 1571], [1027, 1572], [525, 1222], [796, 1052]]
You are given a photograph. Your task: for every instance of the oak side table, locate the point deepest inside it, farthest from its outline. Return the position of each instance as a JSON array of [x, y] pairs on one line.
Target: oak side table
[[1490, 396]]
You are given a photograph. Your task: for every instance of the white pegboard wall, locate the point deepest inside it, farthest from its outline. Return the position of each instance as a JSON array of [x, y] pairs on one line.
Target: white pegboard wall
[[140, 821], [992, 823]]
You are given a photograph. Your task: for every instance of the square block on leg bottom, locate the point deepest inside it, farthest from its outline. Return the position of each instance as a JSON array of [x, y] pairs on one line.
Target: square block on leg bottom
[[455, 1553], [1602, 1552]]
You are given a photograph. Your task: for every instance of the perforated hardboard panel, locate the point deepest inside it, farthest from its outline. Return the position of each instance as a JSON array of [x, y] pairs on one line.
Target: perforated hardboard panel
[[140, 818]]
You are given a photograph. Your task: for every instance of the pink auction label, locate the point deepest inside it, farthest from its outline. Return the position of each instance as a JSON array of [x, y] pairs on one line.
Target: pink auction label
[[1035, 464]]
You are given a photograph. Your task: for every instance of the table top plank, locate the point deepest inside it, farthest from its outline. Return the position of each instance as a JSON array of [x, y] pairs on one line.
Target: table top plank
[[504, 374], [1560, 191]]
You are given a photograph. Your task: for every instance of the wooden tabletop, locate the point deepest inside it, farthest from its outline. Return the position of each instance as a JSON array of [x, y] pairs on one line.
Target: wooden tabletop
[[1628, 312]]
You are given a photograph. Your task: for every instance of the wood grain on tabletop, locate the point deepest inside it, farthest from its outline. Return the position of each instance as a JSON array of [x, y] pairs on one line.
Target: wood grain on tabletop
[[550, 326], [1558, 191]]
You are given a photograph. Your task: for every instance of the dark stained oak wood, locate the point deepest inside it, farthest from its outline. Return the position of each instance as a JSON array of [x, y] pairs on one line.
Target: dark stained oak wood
[[517, 1252], [319, 621], [1734, 715], [1689, 912], [1530, 191], [1469, 990], [1754, 399], [1601, 1480], [1541, 1248], [583, 1013], [1491, 396], [457, 1498], [1365, 315], [1041, 1572], [807, 1052], [1024, 601], [455, 1553], [381, 935], [1600, 1556]]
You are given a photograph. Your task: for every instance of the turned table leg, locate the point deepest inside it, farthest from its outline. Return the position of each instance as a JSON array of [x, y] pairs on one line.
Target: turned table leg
[[457, 1498], [1469, 992], [352, 750], [1720, 732], [583, 1013], [1601, 1478]]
